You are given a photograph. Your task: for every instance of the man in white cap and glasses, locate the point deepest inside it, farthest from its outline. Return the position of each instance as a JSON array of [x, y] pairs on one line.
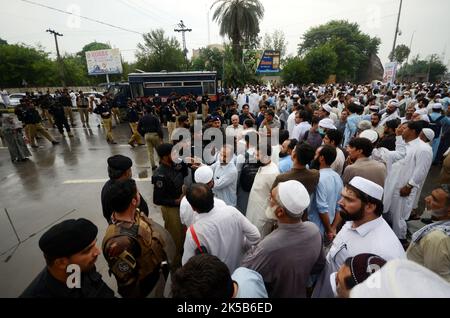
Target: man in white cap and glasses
[[325, 125], [290, 254], [391, 112], [365, 231], [204, 174]]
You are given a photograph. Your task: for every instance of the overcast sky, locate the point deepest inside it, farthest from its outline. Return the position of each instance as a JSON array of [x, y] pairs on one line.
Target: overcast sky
[[24, 22]]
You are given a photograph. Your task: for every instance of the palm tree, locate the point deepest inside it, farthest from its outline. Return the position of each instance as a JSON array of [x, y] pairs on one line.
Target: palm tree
[[239, 20]]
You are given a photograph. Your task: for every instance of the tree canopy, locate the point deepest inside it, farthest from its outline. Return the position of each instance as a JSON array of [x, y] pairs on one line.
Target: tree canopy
[[418, 66], [352, 47], [239, 21], [400, 53], [159, 52]]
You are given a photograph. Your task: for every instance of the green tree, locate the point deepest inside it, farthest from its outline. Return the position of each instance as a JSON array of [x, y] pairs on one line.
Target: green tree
[[239, 20], [295, 71], [159, 52], [239, 74], [321, 62], [420, 67], [276, 41], [3, 42], [352, 47], [400, 53], [20, 62], [209, 60]]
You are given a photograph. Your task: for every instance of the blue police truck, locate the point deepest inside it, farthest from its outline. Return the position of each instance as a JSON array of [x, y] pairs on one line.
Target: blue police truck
[[165, 84]]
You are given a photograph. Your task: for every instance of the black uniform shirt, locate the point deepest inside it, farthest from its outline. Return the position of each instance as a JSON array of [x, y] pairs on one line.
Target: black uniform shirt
[[46, 286], [168, 184]]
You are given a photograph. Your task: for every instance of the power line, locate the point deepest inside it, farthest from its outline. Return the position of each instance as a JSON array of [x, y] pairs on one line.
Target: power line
[[80, 16]]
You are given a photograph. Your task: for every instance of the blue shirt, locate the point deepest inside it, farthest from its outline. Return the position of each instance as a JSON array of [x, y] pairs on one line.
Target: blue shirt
[[351, 128], [285, 164], [324, 200], [251, 284]]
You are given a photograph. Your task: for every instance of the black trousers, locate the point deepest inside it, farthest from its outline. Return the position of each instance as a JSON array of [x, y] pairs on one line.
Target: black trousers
[[62, 122]]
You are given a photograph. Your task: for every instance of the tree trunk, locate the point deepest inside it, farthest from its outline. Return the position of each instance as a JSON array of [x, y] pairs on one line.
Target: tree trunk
[[237, 49]]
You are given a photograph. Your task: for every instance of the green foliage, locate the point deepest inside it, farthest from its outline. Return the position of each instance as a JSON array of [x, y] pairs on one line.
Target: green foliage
[[400, 53], [239, 21], [295, 71], [239, 74], [159, 52], [420, 67], [20, 62], [321, 63], [209, 60], [3, 42], [352, 47]]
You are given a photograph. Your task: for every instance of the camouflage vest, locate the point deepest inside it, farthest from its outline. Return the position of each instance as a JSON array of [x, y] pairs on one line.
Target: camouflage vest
[[151, 249]]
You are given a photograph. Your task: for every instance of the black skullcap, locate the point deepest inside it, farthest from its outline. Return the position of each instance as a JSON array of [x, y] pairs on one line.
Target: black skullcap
[[119, 162], [68, 238], [364, 265]]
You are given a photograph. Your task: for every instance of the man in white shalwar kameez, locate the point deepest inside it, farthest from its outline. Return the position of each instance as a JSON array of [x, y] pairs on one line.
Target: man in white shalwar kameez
[[259, 198], [406, 176]]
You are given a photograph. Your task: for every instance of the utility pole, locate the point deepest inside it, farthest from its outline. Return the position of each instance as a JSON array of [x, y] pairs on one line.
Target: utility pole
[[183, 29], [56, 34], [410, 46], [396, 30]]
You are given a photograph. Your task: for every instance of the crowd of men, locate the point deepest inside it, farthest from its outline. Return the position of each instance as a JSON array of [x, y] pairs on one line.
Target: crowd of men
[[320, 212]]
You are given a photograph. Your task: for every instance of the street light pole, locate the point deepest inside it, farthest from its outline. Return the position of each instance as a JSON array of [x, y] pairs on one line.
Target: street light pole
[[396, 30], [61, 66], [410, 46]]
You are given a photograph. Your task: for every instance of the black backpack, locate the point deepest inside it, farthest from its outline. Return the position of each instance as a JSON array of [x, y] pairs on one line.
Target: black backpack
[[248, 174], [436, 126]]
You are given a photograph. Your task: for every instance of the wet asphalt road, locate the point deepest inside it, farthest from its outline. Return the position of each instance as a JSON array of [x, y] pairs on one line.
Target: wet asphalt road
[[62, 182]]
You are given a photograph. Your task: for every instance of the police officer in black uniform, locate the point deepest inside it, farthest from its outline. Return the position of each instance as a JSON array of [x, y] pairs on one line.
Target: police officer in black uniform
[[119, 168], [71, 242], [168, 180]]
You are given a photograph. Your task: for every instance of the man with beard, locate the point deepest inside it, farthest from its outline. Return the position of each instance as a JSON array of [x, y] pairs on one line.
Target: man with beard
[[391, 112], [71, 242], [289, 255], [365, 231], [430, 245], [285, 163]]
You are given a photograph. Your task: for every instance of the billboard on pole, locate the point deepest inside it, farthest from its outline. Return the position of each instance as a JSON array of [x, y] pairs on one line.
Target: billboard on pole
[[390, 73], [270, 62], [104, 62]]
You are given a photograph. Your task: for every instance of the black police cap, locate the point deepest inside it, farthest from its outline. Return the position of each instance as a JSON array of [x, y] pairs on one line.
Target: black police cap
[[68, 238], [119, 162]]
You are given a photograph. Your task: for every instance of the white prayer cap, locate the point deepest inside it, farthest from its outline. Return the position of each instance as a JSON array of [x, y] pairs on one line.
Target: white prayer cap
[[370, 134], [402, 278], [393, 102], [368, 187], [293, 196], [296, 96], [327, 123], [364, 125], [203, 174], [429, 133], [327, 108], [437, 106], [374, 108]]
